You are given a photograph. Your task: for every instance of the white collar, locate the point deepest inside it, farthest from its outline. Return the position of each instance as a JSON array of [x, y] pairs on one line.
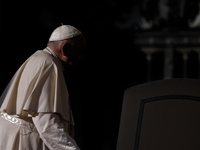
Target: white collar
[[51, 52]]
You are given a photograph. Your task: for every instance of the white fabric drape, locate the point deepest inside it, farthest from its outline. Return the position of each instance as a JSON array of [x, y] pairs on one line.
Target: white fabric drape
[[53, 132], [37, 94]]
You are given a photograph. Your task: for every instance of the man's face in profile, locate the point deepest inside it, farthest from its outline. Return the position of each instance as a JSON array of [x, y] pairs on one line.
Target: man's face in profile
[[74, 51]]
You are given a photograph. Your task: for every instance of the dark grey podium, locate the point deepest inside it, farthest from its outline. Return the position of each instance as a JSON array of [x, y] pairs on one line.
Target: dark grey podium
[[161, 115]]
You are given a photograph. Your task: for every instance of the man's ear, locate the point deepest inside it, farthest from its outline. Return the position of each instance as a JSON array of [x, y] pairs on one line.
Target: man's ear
[[64, 47]]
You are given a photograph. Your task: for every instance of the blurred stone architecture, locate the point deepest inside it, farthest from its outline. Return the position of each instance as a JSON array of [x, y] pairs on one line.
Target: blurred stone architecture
[[167, 32]]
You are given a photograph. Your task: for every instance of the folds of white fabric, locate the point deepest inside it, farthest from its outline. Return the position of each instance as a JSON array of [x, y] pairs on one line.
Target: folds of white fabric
[[53, 132], [38, 86]]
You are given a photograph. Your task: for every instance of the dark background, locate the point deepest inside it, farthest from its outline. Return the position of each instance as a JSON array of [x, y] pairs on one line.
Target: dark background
[[112, 62]]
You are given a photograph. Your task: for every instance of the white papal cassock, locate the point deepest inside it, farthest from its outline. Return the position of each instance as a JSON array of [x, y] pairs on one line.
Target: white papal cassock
[[35, 114]]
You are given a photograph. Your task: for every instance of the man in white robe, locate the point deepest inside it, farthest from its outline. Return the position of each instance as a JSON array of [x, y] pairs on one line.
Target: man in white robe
[[35, 113]]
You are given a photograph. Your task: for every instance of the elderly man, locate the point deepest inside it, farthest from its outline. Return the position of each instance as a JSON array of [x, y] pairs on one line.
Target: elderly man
[[35, 113]]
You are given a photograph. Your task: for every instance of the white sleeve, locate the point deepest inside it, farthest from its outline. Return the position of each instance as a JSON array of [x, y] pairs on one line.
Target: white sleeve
[[52, 132]]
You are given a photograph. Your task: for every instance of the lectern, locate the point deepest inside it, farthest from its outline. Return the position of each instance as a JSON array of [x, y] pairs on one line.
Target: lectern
[[161, 115]]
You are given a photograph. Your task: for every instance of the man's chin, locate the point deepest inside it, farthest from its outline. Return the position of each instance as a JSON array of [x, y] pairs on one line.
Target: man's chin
[[71, 65]]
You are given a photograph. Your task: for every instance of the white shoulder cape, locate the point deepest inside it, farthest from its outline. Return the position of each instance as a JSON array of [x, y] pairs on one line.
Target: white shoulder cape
[[38, 86]]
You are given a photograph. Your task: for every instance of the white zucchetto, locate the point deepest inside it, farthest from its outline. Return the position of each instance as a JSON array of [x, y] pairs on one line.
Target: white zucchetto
[[64, 32]]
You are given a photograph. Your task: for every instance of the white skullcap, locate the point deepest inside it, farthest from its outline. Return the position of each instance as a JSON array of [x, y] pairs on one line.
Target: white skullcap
[[64, 32]]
